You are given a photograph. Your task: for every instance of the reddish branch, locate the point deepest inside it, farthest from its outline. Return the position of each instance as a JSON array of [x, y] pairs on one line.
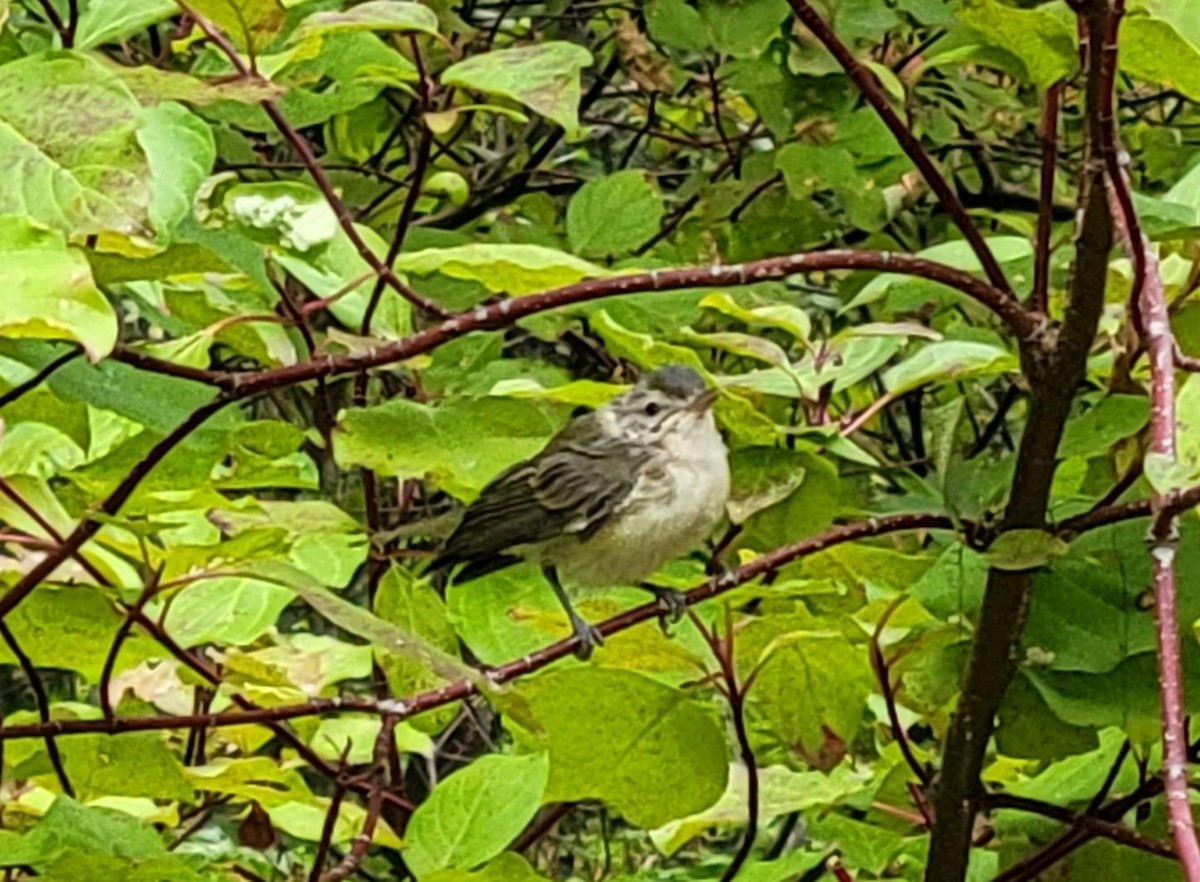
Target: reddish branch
[[875, 96], [415, 179], [1048, 130], [764, 565], [1025, 325], [1148, 301], [460, 689], [305, 152], [883, 677], [722, 649], [358, 849]]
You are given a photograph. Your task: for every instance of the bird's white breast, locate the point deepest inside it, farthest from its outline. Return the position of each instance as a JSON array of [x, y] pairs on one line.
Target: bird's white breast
[[678, 499]]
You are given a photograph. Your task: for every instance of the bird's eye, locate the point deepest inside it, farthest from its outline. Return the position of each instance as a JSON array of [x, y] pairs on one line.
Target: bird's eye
[[652, 409]]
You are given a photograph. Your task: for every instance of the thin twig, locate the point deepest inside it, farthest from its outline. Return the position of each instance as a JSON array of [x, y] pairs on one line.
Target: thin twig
[[1048, 130], [42, 700], [883, 677], [362, 842], [305, 152], [40, 377], [869, 86]]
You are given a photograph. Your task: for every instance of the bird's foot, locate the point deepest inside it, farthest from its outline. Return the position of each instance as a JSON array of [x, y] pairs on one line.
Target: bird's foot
[[589, 638], [673, 603]]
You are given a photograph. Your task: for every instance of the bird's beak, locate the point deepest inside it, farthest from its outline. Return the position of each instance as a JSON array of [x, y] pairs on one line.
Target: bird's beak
[[704, 401]]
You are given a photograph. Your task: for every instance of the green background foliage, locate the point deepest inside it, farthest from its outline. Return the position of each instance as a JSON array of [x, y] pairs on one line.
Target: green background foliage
[[174, 230]]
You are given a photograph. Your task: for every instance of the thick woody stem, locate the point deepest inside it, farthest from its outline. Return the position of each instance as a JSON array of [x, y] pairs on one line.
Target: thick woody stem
[[1053, 376]]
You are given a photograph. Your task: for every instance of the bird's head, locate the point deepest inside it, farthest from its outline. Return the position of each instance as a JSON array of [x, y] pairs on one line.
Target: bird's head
[[663, 401]]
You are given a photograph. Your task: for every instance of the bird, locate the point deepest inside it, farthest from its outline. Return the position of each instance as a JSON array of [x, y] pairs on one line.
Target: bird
[[615, 494]]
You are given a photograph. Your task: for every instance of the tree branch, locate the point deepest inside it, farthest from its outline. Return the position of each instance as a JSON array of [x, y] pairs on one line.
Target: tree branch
[[305, 152], [1053, 374], [874, 95], [1025, 325], [89, 526], [460, 689], [1048, 130]]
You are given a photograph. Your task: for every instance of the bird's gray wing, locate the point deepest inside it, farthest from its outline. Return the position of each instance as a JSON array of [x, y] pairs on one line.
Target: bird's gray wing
[[572, 487]]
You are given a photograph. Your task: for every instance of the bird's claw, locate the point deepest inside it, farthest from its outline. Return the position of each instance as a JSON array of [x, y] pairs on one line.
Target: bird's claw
[[673, 603], [589, 638]]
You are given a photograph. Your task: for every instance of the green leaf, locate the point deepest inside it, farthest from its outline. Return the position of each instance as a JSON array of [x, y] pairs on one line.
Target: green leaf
[[1115, 417], [544, 77], [180, 150], [226, 610], [72, 628], [1078, 778], [374, 15], [471, 816], [1126, 697], [645, 749], [509, 269], [412, 605], [743, 27], [1024, 549], [780, 791], [75, 864], [948, 360], [69, 825], [614, 214], [811, 168], [1080, 601], [1043, 43], [106, 171], [508, 867], [1167, 474], [251, 24], [1154, 50], [782, 315], [461, 444], [958, 254], [112, 21], [133, 764], [58, 299], [810, 689]]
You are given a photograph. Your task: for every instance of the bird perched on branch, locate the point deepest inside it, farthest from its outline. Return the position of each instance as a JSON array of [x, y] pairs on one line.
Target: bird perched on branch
[[615, 494]]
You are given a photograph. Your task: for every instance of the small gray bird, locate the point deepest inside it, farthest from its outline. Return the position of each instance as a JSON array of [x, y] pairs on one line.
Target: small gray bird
[[615, 494]]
